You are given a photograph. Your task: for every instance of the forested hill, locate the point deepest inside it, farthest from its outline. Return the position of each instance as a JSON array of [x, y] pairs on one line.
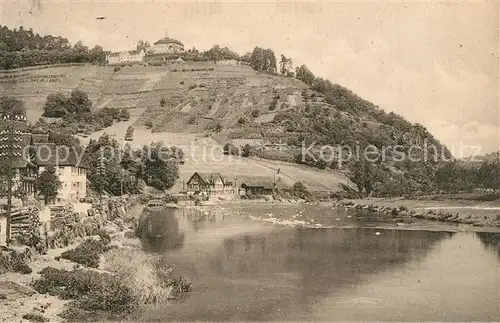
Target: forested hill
[[21, 48], [236, 99]]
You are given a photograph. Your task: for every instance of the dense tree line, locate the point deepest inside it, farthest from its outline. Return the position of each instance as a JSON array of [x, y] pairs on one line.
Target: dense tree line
[[456, 177], [114, 168], [75, 109], [58, 105], [21, 47], [217, 53]]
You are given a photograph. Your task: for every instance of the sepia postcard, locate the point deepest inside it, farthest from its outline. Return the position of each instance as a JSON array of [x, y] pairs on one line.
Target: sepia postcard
[[264, 161]]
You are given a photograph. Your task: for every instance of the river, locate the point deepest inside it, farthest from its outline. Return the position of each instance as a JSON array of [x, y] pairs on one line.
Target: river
[[249, 270]]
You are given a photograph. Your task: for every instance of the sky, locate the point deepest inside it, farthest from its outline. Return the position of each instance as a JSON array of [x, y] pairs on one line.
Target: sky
[[435, 63]]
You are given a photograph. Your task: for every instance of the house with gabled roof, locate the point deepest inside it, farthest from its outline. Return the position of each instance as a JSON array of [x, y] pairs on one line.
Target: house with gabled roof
[[256, 188], [34, 154], [70, 168], [209, 184]]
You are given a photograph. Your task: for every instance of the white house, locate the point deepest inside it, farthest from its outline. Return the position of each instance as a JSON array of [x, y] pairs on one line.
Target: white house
[[126, 57], [72, 172], [228, 62]]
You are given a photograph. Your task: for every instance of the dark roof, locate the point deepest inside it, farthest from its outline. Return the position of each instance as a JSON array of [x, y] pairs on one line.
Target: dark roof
[[168, 40], [134, 52], [258, 183], [208, 178], [52, 155], [114, 54]]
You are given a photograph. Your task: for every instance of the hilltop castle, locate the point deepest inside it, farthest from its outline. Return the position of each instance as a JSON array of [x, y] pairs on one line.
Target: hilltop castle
[[166, 45]]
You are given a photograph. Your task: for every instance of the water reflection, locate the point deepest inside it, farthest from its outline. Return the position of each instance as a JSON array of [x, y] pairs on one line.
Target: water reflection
[[491, 240], [159, 231], [281, 274]]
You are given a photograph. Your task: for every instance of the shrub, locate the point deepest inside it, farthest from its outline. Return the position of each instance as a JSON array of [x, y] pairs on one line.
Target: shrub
[[163, 102], [116, 69], [19, 266], [230, 149], [35, 317], [92, 293], [178, 286], [255, 113], [242, 120], [149, 280], [192, 120], [182, 83], [299, 190], [149, 124], [218, 127], [246, 150], [15, 262], [192, 86], [87, 254]]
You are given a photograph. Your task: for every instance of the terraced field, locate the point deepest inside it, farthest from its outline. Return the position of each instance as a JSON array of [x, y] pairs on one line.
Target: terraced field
[[197, 96], [122, 89], [196, 100]]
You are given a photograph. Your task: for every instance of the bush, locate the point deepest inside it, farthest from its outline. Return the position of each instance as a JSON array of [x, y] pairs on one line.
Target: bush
[[242, 120], [192, 86], [116, 69], [230, 149], [192, 120], [15, 262], [299, 190], [255, 113], [179, 286], [246, 151], [149, 124], [87, 254], [92, 293], [35, 317], [163, 102], [181, 83], [19, 266]]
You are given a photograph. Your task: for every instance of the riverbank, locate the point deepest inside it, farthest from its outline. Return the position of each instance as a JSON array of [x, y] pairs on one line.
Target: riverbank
[[454, 215], [470, 212], [124, 258]]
